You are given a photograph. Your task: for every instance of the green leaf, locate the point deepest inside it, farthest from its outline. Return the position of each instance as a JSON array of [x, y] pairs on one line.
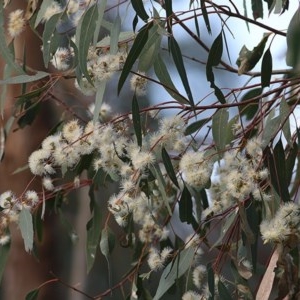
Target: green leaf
[[93, 232], [32, 295], [4, 252], [151, 49], [293, 41], [67, 226], [277, 170], [136, 119], [30, 114], [290, 162], [211, 281], [169, 167], [249, 110], [24, 78], [137, 47], [26, 227], [174, 270], [223, 292], [186, 209], [107, 242], [177, 57], [155, 169], [215, 52], [114, 35], [38, 224], [247, 59], [219, 126], [50, 38], [257, 9], [266, 69], [214, 58], [205, 15], [138, 6], [99, 99], [253, 218], [190, 129], [101, 5], [285, 110], [84, 35], [123, 37], [167, 5], [163, 76], [40, 15], [273, 124]]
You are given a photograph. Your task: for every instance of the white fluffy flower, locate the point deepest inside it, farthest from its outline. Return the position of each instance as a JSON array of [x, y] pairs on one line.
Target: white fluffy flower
[[61, 59], [196, 168], [16, 23], [138, 84]]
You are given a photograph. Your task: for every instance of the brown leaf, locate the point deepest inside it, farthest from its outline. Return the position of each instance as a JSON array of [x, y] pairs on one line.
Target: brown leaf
[[266, 284]]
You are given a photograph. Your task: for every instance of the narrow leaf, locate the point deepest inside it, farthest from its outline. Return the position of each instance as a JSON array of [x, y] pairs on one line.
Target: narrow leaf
[[266, 285], [257, 9], [247, 59], [151, 49], [219, 126], [134, 53], [156, 171], [84, 35], [164, 77], [50, 37], [107, 243], [26, 227], [101, 9], [293, 41], [266, 69], [138, 6], [114, 35], [24, 78], [278, 173], [136, 119], [4, 252], [190, 129], [93, 233], [177, 57], [205, 16], [214, 58], [169, 166], [186, 209], [285, 110], [174, 270], [215, 52], [249, 110], [223, 292], [32, 295], [99, 99], [40, 15], [211, 280]]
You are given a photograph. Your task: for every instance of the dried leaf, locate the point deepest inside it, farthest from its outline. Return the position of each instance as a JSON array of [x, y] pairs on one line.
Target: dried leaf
[[266, 284]]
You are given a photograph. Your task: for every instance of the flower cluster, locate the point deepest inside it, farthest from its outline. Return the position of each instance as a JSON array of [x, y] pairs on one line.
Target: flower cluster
[[116, 152], [11, 207], [196, 168], [285, 225], [16, 23], [238, 176]]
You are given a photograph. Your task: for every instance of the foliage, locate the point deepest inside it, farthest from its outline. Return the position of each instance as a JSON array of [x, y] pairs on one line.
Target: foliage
[[227, 170]]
